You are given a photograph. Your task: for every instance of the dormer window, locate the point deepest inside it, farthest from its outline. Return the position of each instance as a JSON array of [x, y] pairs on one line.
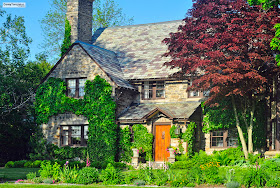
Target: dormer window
[[76, 87], [153, 90]]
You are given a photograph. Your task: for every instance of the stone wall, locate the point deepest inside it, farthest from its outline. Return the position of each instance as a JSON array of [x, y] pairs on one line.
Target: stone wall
[[51, 130], [175, 91], [77, 64], [79, 14]]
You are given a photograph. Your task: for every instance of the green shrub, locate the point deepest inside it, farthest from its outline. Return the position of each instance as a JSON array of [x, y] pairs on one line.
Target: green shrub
[[233, 184], [28, 164], [272, 164], [230, 156], [19, 164], [273, 182], [36, 164], [182, 164], [87, 175], [255, 177], [31, 175], [50, 171], [139, 182], [69, 175], [37, 180], [48, 181], [110, 175], [10, 164]]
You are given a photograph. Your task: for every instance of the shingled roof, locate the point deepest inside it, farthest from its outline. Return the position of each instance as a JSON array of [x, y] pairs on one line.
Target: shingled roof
[[182, 110], [108, 61], [139, 48]]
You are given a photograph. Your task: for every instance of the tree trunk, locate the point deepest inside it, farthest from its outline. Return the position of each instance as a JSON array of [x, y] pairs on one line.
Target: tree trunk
[[250, 129], [240, 132]]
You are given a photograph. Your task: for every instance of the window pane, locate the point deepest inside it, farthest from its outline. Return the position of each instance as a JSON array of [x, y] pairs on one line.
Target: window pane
[[76, 135], [217, 141], [160, 93], [71, 87], [64, 135], [218, 133], [85, 134], [72, 83], [71, 92], [82, 87], [148, 94], [194, 93]]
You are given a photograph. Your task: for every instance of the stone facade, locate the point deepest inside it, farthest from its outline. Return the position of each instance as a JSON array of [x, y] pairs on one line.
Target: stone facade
[[77, 64], [51, 130], [79, 14]]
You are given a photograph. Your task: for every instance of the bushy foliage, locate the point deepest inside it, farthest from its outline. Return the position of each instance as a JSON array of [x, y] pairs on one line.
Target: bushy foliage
[[143, 139], [256, 177], [48, 170], [97, 105], [189, 137], [67, 38], [88, 175], [125, 145], [110, 176]]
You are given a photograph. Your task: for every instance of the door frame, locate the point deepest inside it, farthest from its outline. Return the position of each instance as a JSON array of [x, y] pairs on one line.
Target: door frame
[[154, 133]]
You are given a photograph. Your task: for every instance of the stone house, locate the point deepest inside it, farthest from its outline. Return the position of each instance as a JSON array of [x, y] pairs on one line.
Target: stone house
[[145, 91]]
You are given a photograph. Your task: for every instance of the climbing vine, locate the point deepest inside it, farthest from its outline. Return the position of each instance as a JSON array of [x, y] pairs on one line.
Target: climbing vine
[[67, 38], [143, 140], [189, 137], [125, 145], [97, 105]]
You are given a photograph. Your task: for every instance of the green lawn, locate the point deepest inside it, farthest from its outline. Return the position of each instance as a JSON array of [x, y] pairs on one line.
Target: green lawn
[[15, 173]]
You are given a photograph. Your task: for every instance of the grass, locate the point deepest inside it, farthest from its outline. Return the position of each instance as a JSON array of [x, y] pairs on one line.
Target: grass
[[9, 185], [15, 173]]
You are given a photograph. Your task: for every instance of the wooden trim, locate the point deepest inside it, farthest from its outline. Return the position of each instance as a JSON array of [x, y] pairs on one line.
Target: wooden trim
[[225, 136], [154, 90], [162, 123]]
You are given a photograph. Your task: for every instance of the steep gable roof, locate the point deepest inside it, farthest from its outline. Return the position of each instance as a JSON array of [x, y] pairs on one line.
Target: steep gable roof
[[139, 48], [105, 59], [108, 61]]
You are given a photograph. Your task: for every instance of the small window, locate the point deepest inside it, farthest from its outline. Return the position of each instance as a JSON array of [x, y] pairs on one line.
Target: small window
[[218, 139], [193, 94], [153, 90], [74, 135], [224, 138], [76, 87]]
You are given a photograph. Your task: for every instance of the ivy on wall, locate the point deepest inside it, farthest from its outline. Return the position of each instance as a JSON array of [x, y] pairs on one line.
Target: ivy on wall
[[144, 140], [97, 105], [125, 145], [189, 137]]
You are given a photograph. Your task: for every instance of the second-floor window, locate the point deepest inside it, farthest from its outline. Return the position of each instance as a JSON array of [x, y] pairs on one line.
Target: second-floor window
[[153, 90], [76, 87]]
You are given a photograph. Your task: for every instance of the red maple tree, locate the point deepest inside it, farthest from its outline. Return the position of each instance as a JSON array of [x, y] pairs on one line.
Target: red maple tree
[[224, 45]]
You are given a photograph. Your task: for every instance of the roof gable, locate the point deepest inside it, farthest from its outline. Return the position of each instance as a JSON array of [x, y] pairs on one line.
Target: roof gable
[[105, 60]]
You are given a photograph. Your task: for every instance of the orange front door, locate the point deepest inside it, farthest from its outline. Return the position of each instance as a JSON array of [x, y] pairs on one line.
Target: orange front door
[[162, 142]]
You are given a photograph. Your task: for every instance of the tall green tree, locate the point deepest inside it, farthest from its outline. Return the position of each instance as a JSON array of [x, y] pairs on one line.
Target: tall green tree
[[18, 78], [106, 13]]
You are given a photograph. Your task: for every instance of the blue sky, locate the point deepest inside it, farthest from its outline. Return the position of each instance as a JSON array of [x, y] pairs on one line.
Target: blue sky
[[143, 11]]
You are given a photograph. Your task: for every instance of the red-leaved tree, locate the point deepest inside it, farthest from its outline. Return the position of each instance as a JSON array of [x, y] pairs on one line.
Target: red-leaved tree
[[224, 45]]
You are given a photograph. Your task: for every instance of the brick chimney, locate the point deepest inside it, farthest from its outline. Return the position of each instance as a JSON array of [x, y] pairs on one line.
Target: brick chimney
[[79, 14]]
